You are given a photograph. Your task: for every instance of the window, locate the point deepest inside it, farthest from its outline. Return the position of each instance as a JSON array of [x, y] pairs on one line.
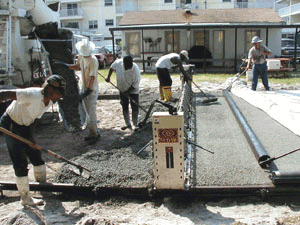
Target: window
[[108, 2], [133, 44], [72, 25], [72, 9], [109, 23], [226, 0], [199, 38], [93, 24], [249, 35], [168, 1], [170, 46]]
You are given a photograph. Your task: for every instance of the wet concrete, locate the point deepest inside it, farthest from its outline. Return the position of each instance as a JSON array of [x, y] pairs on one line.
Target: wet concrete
[[233, 163], [216, 129]]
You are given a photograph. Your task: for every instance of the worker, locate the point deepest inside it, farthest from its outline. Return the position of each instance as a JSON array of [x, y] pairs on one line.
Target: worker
[[27, 105], [163, 65], [128, 81], [88, 64], [257, 59]]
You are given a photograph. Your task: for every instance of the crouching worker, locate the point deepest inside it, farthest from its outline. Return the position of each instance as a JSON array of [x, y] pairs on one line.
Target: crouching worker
[[28, 104], [163, 65], [128, 81]]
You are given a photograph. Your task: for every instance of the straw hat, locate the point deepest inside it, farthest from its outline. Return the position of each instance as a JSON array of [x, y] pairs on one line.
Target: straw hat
[[185, 53], [85, 47]]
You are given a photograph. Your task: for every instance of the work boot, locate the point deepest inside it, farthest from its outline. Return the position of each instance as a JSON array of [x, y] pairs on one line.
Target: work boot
[[39, 173], [135, 115], [167, 91], [161, 93], [23, 188], [127, 120]]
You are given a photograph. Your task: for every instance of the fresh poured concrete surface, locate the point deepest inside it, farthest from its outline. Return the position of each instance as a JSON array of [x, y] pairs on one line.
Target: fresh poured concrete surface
[[233, 163]]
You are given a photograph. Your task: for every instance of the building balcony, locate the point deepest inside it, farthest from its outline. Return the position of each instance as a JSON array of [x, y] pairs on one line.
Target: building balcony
[[129, 7], [190, 6], [290, 10], [245, 5], [68, 14]]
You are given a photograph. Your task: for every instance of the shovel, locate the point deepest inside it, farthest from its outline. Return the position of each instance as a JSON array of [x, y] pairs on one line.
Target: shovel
[[84, 172]]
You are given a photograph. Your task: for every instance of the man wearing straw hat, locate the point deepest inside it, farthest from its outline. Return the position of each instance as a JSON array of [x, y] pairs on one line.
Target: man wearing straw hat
[[163, 65], [28, 105], [259, 64], [88, 64]]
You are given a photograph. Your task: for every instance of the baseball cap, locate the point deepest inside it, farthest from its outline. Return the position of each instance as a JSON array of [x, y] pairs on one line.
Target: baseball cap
[[57, 82], [185, 53]]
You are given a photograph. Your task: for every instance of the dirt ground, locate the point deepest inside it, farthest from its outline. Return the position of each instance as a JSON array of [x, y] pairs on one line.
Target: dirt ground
[[68, 209]]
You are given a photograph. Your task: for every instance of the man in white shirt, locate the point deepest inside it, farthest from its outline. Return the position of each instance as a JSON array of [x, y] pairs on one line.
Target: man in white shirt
[[88, 64], [163, 65], [128, 81], [28, 105]]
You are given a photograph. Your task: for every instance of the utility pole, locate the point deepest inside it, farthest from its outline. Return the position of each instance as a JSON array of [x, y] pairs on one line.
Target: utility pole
[[205, 3]]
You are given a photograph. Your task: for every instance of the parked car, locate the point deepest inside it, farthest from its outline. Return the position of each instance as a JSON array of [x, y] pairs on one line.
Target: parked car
[[102, 58], [109, 57], [118, 50], [288, 48]]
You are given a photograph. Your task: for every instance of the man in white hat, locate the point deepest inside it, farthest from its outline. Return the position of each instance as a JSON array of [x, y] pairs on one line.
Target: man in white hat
[[259, 64], [163, 65], [88, 64]]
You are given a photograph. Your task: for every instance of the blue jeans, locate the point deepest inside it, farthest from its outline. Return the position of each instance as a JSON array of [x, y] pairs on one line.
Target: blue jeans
[[19, 151], [262, 71]]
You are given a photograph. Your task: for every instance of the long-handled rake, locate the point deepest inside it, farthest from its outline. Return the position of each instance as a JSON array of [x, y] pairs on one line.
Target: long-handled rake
[[208, 99], [237, 76], [127, 95], [84, 172]]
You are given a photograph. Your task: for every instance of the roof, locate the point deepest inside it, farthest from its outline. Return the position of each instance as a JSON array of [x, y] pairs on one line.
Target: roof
[[208, 16]]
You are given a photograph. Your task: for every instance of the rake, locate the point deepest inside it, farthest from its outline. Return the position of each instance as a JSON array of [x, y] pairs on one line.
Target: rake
[[208, 100], [84, 172]]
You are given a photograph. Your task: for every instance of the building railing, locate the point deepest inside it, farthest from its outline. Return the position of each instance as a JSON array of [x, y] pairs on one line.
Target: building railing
[[286, 11], [129, 8], [191, 6], [71, 12], [241, 5]]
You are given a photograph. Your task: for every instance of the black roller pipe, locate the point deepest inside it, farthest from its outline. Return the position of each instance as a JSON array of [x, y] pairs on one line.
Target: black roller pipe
[[282, 178], [257, 148], [203, 192]]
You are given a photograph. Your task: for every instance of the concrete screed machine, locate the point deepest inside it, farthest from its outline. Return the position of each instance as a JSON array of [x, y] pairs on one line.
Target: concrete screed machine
[[30, 42]]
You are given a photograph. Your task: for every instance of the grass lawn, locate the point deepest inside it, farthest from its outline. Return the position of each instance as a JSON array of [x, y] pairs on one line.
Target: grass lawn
[[294, 77]]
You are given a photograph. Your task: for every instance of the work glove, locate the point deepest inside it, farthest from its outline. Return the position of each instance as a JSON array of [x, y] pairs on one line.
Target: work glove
[[85, 93]]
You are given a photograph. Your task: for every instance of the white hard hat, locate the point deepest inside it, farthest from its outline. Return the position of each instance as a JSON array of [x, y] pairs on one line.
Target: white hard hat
[[256, 39], [185, 53], [85, 47]]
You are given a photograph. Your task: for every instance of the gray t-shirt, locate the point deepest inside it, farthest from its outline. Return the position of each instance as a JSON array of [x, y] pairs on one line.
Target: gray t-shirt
[[256, 55]]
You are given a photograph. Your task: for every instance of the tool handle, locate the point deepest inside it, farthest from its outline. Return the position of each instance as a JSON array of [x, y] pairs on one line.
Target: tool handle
[[40, 148], [127, 96]]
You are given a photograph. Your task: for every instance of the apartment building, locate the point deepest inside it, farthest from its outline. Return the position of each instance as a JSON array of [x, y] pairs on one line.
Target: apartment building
[[93, 18], [289, 10]]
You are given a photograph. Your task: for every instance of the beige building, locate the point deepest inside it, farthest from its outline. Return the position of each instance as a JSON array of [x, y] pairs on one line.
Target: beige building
[[93, 18]]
